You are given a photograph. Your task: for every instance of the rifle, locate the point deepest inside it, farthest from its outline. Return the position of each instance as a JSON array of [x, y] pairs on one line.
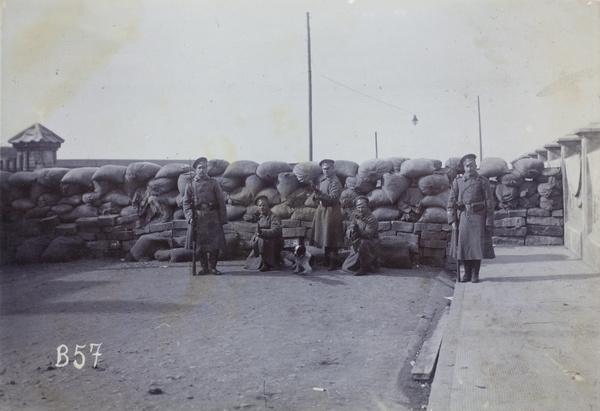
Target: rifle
[[191, 183], [454, 251]]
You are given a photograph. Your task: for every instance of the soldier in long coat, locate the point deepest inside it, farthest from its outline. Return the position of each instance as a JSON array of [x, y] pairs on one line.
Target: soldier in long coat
[[328, 225], [471, 209], [267, 243], [204, 197], [364, 235]]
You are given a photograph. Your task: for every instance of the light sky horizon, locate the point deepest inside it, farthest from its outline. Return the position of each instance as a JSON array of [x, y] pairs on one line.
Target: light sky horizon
[[226, 79]]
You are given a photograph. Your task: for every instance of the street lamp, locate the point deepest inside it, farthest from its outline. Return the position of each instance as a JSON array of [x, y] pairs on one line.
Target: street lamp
[[415, 120]]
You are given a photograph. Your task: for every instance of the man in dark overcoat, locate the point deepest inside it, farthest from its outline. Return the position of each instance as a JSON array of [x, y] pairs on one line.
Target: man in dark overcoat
[[364, 236], [471, 210], [267, 242], [204, 197], [328, 224]]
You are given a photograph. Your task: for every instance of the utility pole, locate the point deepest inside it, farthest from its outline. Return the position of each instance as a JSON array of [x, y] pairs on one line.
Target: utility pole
[[310, 133], [479, 114], [376, 152]]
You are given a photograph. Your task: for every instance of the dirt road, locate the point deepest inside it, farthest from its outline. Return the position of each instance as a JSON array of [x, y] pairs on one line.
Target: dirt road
[[243, 340]]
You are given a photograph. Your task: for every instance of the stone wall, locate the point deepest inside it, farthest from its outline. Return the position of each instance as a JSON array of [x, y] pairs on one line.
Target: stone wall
[[60, 214]]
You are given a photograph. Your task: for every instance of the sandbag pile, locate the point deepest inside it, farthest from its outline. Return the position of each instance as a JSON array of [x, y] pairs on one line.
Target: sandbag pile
[[112, 207]]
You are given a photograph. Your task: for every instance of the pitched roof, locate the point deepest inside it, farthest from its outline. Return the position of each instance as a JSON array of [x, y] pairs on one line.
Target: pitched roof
[[36, 134]]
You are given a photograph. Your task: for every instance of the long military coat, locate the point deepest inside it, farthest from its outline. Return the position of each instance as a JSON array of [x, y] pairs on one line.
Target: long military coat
[[471, 202], [366, 248], [206, 195], [328, 224], [266, 246]]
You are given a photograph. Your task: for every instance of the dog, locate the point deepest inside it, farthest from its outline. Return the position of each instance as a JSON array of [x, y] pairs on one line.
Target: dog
[[303, 260]]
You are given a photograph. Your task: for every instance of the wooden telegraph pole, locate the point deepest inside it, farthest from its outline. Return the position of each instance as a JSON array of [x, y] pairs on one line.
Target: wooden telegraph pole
[[480, 147], [310, 133]]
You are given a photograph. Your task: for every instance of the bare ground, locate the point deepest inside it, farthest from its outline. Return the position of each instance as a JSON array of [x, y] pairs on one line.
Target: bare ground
[[243, 340]]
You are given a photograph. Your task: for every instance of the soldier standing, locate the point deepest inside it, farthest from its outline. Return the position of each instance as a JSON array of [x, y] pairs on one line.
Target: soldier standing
[[204, 198], [328, 224], [471, 209]]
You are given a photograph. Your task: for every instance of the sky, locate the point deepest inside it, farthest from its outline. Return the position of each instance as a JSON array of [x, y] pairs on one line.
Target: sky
[[148, 79]]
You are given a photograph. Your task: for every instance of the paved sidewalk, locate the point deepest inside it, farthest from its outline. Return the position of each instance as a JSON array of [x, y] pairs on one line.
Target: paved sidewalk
[[527, 337]]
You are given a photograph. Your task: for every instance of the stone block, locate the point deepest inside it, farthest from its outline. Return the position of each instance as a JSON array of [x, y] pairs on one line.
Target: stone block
[[183, 232], [385, 225], [543, 240], [131, 226], [87, 222], [108, 220], [447, 228], [434, 235], [89, 229], [547, 221], [402, 239], [510, 231], [510, 241], [500, 214], [294, 232], [66, 229], [179, 224], [290, 223], [433, 252], [307, 224], [433, 244], [558, 213], [387, 233], [158, 227], [120, 235], [128, 219], [510, 222], [403, 226], [88, 236], [140, 231], [538, 212], [178, 241], [518, 213], [246, 236], [242, 226], [552, 231], [427, 227]]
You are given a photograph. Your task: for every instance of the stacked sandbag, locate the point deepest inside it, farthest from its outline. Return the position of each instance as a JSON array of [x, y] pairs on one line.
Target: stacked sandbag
[[108, 204], [345, 169], [308, 172], [493, 167], [138, 174]]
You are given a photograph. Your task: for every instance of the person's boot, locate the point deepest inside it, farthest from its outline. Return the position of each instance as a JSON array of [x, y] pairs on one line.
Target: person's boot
[[333, 262], [212, 262], [203, 258], [468, 269], [327, 260], [476, 267]]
